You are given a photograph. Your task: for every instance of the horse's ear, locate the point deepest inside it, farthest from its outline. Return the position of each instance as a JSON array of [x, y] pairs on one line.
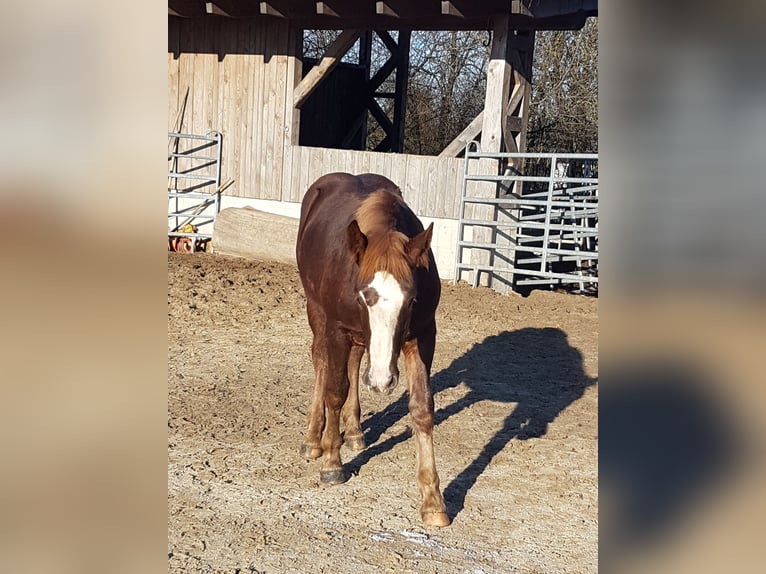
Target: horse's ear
[[357, 241], [417, 248]]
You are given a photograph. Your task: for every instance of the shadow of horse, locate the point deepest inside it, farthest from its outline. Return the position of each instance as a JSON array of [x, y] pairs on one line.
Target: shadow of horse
[[534, 371]]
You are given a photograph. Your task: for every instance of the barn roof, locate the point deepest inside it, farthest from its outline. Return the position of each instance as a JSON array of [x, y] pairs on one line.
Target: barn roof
[[398, 14]]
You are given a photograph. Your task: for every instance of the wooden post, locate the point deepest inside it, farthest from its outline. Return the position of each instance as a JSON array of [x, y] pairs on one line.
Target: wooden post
[[498, 82], [521, 51], [400, 96], [495, 104], [503, 128]]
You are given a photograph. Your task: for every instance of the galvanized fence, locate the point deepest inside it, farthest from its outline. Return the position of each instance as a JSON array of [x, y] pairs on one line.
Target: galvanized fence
[[540, 218], [194, 182]]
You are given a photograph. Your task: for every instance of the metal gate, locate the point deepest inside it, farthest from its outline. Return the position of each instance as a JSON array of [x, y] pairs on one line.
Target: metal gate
[[194, 182], [540, 217]]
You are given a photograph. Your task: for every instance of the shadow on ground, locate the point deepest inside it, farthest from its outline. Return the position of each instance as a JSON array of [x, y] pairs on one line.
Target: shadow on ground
[[535, 372]]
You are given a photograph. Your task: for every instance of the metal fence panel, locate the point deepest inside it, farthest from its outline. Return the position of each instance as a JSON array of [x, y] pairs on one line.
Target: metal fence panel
[[194, 181], [544, 228]]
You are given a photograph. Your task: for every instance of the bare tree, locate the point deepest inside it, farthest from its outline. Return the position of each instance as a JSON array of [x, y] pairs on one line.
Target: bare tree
[[447, 80], [564, 106], [448, 73]]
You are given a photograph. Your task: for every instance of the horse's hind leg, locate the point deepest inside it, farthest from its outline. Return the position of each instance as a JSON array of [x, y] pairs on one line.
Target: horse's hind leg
[[351, 413], [418, 354], [312, 447]]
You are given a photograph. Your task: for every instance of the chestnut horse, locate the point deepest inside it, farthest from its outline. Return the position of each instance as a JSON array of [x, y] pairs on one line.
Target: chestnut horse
[[371, 284]]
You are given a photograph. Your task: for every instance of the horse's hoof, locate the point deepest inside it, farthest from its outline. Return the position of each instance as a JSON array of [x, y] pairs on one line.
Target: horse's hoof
[[310, 452], [332, 476], [355, 442], [438, 519]]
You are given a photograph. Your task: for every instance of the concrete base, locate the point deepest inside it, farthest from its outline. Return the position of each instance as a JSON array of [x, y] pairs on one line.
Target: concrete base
[[443, 243]]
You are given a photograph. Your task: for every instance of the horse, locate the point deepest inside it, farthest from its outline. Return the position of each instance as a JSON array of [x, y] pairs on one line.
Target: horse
[[372, 287]]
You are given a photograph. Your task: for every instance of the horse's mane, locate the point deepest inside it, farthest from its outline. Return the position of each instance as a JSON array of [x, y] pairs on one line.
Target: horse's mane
[[385, 251]]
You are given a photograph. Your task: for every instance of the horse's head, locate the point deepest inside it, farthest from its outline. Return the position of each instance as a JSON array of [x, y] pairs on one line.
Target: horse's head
[[386, 293]]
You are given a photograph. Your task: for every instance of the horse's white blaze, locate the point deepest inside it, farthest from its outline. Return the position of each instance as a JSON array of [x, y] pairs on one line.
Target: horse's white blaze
[[384, 315]]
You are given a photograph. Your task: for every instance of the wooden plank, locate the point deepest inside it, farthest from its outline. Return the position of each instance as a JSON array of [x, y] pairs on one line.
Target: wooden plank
[[315, 164], [197, 95], [294, 71], [186, 70], [228, 42], [259, 81], [458, 144], [411, 182], [287, 175], [247, 42], [238, 133], [437, 188], [281, 135], [431, 185], [332, 58], [174, 103], [297, 170], [268, 191], [305, 167], [263, 158], [210, 81], [452, 208]]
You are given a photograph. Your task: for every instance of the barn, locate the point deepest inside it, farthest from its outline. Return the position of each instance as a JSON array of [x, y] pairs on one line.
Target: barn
[[264, 121]]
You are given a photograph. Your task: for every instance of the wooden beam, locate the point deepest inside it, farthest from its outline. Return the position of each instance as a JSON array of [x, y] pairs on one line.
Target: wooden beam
[[498, 81], [472, 9], [231, 9], [272, 9], [520, 54], [403, 8], [471, 131], [332, 57], [388, 40], [449, 8], [344, 8], [215, 9], [380, 116], [380, 76], [553, 8], [287, 9], [185, 8]]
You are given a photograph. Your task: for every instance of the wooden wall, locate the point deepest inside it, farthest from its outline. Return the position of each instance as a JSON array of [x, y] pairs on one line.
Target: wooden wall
[[240, 76], [430, 185]]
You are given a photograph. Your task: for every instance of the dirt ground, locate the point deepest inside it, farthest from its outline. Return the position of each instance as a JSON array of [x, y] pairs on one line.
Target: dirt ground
[[515, 382]]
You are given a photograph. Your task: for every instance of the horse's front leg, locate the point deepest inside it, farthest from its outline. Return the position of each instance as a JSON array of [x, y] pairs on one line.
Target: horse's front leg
[[351, 413], [418, 354], [335, 376]]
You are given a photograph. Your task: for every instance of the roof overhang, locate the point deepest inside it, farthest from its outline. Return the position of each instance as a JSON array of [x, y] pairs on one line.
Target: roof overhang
[[398, 14]]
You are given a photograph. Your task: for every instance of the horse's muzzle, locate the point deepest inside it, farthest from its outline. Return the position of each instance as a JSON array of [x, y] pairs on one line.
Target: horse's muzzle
[[382, 384]]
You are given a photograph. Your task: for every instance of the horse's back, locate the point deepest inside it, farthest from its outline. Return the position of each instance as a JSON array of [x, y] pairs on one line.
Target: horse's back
[[331, 203], [328, 207]]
